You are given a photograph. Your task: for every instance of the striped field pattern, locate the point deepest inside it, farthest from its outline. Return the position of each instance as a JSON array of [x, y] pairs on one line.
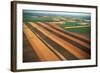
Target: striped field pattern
[[49, 42]]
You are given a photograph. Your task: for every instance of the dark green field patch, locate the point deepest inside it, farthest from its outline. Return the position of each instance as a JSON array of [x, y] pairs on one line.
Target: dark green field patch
[[68, 24], [82, 30]]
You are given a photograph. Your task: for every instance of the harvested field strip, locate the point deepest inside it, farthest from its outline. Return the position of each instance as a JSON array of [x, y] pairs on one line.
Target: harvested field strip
[[40, 48], [66, 37], [29, 55], [81, 37], [56, 46], [69, 47]]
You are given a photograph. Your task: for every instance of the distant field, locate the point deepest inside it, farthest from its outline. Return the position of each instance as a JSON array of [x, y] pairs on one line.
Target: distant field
[[36, 19]]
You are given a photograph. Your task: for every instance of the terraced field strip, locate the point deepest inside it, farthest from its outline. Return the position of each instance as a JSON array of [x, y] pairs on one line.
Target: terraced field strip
[[44, 53], [81, 37], [56, 48], [29, 55], [69, 47], [80, 44], [65, 35]]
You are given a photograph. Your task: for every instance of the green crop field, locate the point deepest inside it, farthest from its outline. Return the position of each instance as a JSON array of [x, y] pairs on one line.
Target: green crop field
[[69, 24], [82, 30]]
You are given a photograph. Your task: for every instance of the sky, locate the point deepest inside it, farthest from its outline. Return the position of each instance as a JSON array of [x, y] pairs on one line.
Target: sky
[[56, 12]]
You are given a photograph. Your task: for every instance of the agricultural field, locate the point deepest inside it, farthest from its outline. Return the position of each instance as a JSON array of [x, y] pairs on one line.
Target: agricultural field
[[77, 28], [82, 30], [52, 36]]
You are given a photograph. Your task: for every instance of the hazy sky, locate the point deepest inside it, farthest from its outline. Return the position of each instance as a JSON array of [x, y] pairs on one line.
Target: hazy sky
[[56, 12]]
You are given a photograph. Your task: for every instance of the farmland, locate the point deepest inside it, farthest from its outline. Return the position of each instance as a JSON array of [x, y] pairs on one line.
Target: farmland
[[55, 37]]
